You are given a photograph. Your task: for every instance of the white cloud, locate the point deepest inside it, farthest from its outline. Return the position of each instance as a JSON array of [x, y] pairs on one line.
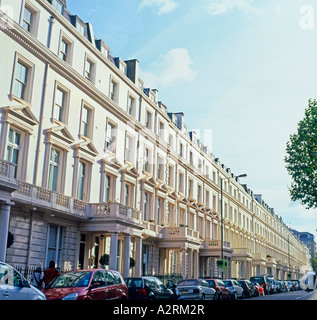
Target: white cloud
[[217, 7], [174, 67], [164, 6]]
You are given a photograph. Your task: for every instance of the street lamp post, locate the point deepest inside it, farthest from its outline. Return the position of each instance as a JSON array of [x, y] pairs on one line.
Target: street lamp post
[[221, 212]]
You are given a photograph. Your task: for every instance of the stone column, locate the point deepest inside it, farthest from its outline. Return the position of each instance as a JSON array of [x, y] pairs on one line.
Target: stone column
[[113, 251], [138, 258], [184, 263], [126, 257], [4, 228]]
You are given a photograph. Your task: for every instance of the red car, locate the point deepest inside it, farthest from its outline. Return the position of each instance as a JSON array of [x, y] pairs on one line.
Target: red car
[[222, 292], [89, 284]]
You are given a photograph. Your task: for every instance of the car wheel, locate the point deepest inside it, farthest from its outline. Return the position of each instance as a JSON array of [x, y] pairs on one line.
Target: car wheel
[[234, 296]]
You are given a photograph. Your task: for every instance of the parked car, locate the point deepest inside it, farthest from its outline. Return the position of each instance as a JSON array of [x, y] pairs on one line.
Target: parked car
[[262, 280], [259, 289], [285, 286], [196, 289], [236, 291], [148, 288], [13, 286], [222, 292], [291, 285], [297, 284], [89, 284], [278, 286], [272, 284], [248, 287]]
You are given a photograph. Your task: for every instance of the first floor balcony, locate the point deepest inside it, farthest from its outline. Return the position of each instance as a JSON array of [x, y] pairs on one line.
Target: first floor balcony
[[214, 248]]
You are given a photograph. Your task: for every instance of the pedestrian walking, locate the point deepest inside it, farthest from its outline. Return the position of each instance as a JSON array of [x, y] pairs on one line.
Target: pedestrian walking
[[50, 273], [37, 278]]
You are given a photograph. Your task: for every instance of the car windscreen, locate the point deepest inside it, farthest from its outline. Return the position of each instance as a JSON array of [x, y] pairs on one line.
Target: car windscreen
[[70, 280], [227, 283], [134, 282]]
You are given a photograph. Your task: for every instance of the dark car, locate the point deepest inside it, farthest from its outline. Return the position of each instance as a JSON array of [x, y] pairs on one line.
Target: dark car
[[148, 288], [262, 280], [89, 284], [222, 292], [249, 288]]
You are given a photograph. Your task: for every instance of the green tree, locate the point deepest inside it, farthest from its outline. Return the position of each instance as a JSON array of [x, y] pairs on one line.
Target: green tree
[[314, 264], [301, 159]]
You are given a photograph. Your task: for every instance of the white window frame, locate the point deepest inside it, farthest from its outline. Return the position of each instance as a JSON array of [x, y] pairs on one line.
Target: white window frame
[[51, 165], [148, 119], [86, 125], [114, 89], [33, 23], [82, 193], [90, 73], [129, 148], [70, 44], [13, 146], [27, 96], [131, 105], [111, 136], [65, 103]]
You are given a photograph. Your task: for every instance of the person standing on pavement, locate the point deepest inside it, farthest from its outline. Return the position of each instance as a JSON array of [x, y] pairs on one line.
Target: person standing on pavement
[[37, 278], [50, 273]]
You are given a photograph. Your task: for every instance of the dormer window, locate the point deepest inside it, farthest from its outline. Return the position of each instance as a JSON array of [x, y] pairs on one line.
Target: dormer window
[[80, 28], [57, 5]]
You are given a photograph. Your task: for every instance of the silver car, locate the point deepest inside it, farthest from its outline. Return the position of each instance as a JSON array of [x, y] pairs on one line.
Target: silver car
[[236, 291], [13, 286], [196, 289]]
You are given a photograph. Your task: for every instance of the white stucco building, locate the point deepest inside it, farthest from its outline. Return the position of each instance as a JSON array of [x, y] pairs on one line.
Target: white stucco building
[[91, 162]]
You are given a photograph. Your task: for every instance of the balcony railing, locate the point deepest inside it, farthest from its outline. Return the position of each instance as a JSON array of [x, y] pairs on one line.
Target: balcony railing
[[170, 233], [38, 196], [216, 244], [112, 210]]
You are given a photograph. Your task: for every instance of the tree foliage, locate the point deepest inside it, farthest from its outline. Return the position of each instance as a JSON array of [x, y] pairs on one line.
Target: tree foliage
[[301, 159]]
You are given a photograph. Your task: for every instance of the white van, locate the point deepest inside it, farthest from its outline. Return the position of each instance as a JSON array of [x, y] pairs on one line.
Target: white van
[[308, 282], [13, 286]]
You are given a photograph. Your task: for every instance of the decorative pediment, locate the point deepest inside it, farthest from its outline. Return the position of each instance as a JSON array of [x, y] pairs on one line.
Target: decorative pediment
[[21, 116], [162, 187], [112, 161], [130, 169], [86, 149], [61, 134], [173, 195]]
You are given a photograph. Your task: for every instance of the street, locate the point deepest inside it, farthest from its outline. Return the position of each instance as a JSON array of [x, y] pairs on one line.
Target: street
[[292, 295]]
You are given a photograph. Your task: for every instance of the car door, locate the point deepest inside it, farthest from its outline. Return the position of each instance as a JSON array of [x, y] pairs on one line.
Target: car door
[[209, 293], [225, 291], [12, 284], [112, 286], [98, 289], [238, 288], [163, 292]]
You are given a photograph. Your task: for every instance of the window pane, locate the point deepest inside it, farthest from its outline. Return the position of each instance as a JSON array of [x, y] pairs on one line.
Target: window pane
[[27, 19], [20, 81]]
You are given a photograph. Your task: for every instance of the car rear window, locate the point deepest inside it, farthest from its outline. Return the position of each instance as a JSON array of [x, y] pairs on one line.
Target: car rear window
[[71, 279], [188, 283], [258, 279], [134, 283], [211, 283]]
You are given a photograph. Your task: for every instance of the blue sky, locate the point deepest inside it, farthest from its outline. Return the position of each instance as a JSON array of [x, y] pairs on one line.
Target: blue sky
[[243, 69]]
